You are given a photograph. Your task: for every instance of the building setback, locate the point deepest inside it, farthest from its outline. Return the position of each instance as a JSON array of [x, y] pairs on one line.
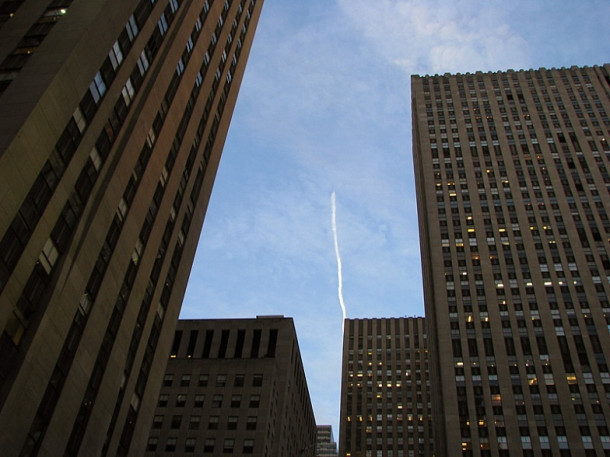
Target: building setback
[[234, 386], [325, 442], [512, 176], [113, 115], [385, 402]]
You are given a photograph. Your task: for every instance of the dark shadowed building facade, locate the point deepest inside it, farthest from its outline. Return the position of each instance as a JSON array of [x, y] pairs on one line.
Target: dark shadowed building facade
[[512, 176], [234, 387], [385, 402], [113, 115]]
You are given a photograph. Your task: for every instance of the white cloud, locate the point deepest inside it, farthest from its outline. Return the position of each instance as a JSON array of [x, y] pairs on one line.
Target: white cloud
[[439, 36]]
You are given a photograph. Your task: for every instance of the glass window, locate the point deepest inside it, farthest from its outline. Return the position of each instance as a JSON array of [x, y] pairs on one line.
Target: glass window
[[194, 422], [228, 445], [255, 401], [115, 55], [170, 446], [208, 445], [248, 446]]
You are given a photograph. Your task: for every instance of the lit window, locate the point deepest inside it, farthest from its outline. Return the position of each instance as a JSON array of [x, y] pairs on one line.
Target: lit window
[[55, 12]]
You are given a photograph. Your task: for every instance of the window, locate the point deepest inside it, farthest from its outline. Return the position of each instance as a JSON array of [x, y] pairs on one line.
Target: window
[[208, 445], [199, 401], [189, 445], [232, 423], [48, 256], [152, 443], [217, 401], [213, 423], [180, 67], [128, 92], [251, 423], [132, 28], [203, 380], [97, 87], [170, 446], [194, 422], [95, 158], [221, 380], [157, 422], [228, 445], [255, 401], [248, 446], [185, 380], [167, 380], [181, 400], [239, 380], [143, 63], [79, 119], [115, 55], [162, 24], [163, 398], [235, 401], [257, 380], [176, 421]]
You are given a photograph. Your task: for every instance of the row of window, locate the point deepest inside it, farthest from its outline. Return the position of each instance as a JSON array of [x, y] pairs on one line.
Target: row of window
[[208, 446], [175, 422], [217, 401], [239, 380], [243, 343]]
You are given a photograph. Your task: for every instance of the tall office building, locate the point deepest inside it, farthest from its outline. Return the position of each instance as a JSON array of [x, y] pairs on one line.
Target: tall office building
[[325, 441], [234, 386], [113, 115], [512, 176], [385, 400]]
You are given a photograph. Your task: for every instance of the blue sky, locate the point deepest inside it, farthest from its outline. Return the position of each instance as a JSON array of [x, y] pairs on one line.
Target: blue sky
[[325, 107]]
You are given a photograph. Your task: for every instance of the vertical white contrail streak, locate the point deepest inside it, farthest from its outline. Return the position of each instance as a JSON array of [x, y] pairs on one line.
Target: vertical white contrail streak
[[339, 272]]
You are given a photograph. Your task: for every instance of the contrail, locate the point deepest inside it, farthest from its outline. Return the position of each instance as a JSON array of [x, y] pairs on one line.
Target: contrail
[[339, 273]]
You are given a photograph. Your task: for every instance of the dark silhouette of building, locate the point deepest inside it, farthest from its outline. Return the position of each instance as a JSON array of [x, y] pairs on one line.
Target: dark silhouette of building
[[113, 115], [512, 175], [385, 400], [234, 386]]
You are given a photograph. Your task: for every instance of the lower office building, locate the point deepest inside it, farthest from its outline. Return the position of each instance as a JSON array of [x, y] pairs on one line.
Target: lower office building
[[385, 401], [325, 442], [513, 180], [234, 386]]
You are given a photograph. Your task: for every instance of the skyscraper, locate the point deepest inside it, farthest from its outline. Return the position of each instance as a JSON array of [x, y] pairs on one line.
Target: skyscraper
[[385, 401], [113, 115], [512, 176], [325, 442], [234, 386]]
